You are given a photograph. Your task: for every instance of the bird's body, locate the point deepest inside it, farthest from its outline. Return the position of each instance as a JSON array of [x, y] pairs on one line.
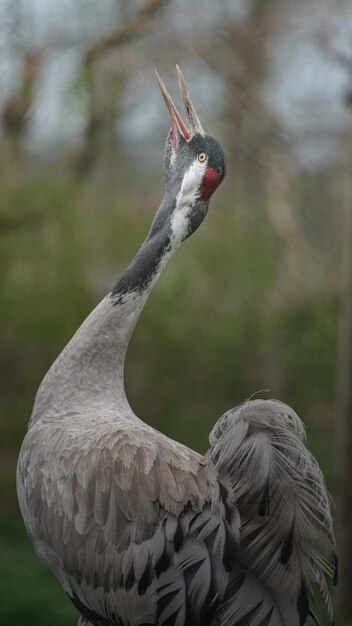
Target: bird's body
[[138, 528]]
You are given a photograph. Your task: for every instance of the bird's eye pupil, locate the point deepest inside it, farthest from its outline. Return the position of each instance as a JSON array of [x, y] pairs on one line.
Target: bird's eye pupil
[[201, 157]]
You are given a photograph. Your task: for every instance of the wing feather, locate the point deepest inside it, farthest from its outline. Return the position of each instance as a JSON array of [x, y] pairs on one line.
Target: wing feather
[[100, 508]]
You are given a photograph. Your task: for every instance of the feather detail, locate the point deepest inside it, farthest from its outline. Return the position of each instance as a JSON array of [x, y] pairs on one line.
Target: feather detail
[[138, 527], [194, 561], [286, 535], [287, 546]]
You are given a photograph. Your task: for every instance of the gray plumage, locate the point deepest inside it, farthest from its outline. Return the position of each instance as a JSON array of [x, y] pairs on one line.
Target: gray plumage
[[138, 528]]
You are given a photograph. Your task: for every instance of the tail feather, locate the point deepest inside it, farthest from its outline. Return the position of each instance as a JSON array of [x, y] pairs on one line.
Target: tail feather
[[249, 602], [286, 537]]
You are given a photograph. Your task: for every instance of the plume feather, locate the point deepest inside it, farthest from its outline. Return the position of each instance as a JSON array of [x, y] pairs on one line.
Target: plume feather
[[286, 537]]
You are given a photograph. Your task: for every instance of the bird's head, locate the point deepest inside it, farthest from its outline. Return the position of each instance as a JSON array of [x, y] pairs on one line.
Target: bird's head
[[194, 166]]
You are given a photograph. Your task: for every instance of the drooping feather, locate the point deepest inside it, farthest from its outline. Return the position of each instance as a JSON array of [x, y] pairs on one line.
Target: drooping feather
[[287, 539]]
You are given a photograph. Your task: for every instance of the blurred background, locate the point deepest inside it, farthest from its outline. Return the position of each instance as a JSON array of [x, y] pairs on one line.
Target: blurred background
[[260, 298]]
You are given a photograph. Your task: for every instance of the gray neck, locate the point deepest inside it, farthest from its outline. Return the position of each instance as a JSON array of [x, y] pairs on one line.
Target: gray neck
[[89, 374]]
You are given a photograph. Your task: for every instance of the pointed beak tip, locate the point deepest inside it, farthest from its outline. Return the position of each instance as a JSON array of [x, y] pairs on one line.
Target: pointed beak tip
[[194, 125], [181, 78], [191, 114], [158, 78]]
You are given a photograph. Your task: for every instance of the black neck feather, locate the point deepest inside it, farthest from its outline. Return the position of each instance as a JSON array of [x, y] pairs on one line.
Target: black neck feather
[[141, 271]]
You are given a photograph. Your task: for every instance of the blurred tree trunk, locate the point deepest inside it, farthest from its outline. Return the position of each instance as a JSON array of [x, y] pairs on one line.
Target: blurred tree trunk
[[344, 424], [104, 92], [246, 113], [15, 114], [299, 251]]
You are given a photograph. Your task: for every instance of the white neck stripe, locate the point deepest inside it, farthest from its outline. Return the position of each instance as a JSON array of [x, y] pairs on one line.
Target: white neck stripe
[[186, 197]]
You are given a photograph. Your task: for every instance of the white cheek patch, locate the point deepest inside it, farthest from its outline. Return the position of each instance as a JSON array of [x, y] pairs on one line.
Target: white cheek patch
[[179, 225], [191, 184], [186, 197]]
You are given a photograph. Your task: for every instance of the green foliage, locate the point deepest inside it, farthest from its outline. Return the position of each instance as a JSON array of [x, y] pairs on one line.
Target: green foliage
[[30, 596]]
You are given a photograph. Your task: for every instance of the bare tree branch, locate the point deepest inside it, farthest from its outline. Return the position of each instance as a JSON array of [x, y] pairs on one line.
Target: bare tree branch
[[124, 33]]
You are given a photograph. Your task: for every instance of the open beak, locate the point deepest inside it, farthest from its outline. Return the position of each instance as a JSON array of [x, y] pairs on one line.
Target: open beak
[[179, 128]]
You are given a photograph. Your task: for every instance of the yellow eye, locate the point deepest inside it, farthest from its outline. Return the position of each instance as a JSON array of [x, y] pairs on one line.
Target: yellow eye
[[202, 157]]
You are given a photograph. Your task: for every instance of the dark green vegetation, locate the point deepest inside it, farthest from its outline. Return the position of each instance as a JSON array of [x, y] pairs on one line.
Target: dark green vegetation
[[29, 594], [227, 318]]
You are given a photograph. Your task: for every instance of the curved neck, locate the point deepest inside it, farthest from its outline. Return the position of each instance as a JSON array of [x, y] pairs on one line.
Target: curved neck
[[89, 373]]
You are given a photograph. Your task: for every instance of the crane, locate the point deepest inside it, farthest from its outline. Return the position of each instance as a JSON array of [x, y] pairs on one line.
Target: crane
[[138, 528]]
